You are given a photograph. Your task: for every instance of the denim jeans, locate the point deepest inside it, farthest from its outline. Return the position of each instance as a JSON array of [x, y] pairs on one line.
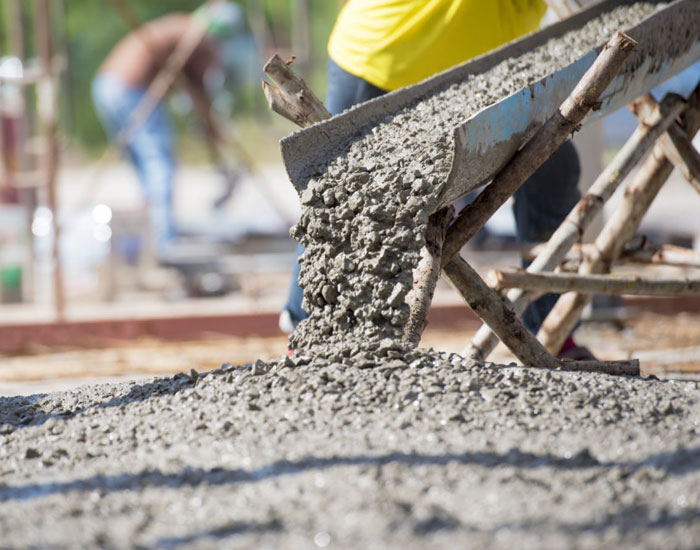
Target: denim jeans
[[150, 150], [539, 206]]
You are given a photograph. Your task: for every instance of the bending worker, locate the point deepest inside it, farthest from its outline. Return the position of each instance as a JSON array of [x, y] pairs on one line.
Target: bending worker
[[377, 46], [121, 86]]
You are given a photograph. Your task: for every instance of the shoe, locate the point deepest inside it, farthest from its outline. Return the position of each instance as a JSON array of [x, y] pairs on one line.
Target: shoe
[[571, 351], [285, 322]]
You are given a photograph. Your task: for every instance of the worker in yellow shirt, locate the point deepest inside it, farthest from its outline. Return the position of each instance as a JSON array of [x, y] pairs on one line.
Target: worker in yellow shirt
[[377, 46]]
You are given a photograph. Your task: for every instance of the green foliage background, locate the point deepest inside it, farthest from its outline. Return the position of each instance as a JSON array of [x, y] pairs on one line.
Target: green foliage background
[[90, 28]]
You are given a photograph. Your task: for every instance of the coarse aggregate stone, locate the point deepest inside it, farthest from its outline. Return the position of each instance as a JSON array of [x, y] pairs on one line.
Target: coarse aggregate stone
[[422, 451], [365, 211]]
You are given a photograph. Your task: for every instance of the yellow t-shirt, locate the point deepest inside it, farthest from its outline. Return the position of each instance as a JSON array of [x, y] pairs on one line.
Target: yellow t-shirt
[[394, 43]]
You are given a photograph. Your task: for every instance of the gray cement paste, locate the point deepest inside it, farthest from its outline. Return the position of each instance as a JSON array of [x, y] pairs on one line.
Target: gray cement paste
[[364, 214]]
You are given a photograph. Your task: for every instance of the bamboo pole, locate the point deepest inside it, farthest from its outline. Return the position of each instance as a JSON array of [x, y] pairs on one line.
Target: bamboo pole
[[592, 284], [618, 230], [560, 8], [586, 210], [674, 143], [565, 121], [628, 367], [46, 96], [292, 98], [683, 155], [644, 253], [426, 275], [498, 314]]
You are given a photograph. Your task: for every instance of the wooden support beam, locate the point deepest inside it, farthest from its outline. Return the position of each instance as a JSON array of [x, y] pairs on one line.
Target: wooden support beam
[[641, 253], [583, 214], [592, 284], [628, 367], [560, 8], [565, 121], [47, 110], [426, 275], [292, 98], [497, 313], [684, 156], [674, 143], [665, 254], [619, 229]]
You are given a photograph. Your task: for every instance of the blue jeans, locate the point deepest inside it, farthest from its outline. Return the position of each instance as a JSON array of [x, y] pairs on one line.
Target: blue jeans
[[150, 150], [539, 206]]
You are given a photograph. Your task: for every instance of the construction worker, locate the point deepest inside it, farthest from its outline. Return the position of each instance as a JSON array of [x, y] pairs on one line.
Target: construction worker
[[122, 85], [377, 46]]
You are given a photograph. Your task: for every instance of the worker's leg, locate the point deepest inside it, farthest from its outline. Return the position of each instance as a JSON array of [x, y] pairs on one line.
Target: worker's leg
[[539, 206], [150, 150], [344, 90]]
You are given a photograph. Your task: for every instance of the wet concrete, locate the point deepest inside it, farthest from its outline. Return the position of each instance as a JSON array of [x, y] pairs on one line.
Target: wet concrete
[[420, 452], [364, 210]]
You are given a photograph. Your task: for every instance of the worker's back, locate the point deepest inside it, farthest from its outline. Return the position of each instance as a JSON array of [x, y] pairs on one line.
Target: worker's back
[[140, 54], [394, 43]]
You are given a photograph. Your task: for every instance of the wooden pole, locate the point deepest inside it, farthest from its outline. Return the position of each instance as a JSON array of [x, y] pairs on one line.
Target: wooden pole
[[629, 367], [618, 230], [560, 8], [642, 253], [582, 215], [592, 284], [46, 96], [665, 254], [292, 98], [565, 121], [498, 314], [674, 143], [24, 162], [426, 275]]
